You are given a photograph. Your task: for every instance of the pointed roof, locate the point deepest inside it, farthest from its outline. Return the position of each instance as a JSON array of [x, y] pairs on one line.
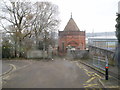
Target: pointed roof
[[71, 25]]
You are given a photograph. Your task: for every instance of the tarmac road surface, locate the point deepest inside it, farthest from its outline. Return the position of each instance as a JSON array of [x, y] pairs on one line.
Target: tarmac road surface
[[59, 73]]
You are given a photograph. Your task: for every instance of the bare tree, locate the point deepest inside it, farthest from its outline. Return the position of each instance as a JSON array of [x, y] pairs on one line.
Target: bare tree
[[25, 19], [45, 20], [17, 14]]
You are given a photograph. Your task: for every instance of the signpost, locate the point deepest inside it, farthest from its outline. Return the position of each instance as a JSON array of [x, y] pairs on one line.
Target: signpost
[[106, 69]]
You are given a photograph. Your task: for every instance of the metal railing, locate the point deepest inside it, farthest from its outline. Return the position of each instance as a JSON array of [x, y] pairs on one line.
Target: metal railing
[[99, 62]]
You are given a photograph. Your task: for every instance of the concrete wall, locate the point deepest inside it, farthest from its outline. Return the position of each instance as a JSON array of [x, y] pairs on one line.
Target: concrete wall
[[37, 54], [78, 54]]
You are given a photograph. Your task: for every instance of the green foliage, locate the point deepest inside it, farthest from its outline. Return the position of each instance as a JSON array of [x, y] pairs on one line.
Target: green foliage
[[118, 27], [6, 48]]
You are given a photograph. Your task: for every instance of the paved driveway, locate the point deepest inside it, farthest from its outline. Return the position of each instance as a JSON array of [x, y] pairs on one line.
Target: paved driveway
[[53, 74]]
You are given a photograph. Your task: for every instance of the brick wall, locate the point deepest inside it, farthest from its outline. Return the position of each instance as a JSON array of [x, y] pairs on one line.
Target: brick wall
[[75, 39]]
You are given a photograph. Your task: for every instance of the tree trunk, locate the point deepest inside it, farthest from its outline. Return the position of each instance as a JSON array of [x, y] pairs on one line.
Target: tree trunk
[[15, 49], [20, 46], [37, 42]]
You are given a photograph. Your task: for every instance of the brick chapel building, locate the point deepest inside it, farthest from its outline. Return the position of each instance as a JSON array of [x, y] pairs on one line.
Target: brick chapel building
[[71, 36]]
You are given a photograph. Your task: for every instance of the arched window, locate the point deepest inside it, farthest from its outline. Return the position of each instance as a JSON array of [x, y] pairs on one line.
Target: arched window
[[72, 43]]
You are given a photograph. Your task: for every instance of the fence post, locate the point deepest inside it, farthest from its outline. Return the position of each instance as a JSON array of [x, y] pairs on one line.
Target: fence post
[[93, 60], [98, 62]]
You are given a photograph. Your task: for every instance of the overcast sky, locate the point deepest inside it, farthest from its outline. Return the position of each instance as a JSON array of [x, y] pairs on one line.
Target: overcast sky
[[89, 15]]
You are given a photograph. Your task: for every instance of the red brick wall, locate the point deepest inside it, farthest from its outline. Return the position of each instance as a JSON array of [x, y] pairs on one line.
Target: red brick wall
[[73, 40]]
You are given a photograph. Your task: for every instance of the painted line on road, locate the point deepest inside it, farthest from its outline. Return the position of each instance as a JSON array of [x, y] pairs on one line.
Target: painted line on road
[[90, 73], [6, 77], [107, 86], [29, 63], [93, 76], [13, 66], [98, 75], [90, 79], [25, 66], [86, 70], [77, 65], [90, 85], [3, 82]]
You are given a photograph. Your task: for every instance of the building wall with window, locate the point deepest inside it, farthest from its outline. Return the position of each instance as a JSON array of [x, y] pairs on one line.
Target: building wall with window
[[71, 37]]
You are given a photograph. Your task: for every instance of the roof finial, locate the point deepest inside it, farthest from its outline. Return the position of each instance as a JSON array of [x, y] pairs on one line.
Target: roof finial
[[71, 14]]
